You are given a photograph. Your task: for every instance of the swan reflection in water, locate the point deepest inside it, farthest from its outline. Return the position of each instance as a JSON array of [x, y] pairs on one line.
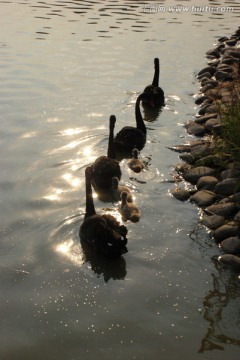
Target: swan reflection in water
[[82, 255], [221, 310]]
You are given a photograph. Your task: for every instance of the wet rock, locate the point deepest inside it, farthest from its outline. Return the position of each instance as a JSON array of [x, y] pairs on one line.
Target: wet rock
[[214, 62], [226, 210], [231, 245], [200, 99], [225, 231], [200, 150], [195, 129], [181, 194], [205, 86], [202, 119], [211, 161], [205, 75], [180, 148], [233, 53], [235, 198], [213, 52], [222, 39], [230, 173], [229, 60], [207, 183], [209, 125], [231, 42], [192, 175], [237, 218], [203, 198], [227, 187], [213, 221], [223, 76], [212, 109], [230, 260], [212, 93], [224, 67], [190, 159], [209, 69]]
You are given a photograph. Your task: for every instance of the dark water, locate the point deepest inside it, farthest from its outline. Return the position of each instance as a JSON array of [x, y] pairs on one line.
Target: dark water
[[65, 67]]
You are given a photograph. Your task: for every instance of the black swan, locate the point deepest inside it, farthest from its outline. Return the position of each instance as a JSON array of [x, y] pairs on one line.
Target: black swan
[[103, 233], [135, 164], [133, 137], [129, 211], [105, 168], [157, 98], [118, 189]]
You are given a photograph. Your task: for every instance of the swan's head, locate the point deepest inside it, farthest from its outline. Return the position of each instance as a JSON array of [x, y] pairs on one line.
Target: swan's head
[[112, 121]]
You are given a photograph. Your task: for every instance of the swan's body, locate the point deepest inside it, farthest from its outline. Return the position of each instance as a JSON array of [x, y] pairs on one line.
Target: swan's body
[[101, 232], [129, 211], [105, 168], [118, 189], [135, 164], [157, 93], [133, 137]]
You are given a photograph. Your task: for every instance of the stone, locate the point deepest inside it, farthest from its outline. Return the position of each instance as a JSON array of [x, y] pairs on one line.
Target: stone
[[235, 198], [209, 125], [195, 129], [212, 109], [200, 99], [237, 218], [200, 150], [190, 159], [231, 42], [230, 173], [202, 119], [213, 52], [205, 87], [212, 93], [209, 69], [192, 175], [227, 187], [181, 194], [214, 62], [203, 198], [213, 221], [207, 183], [223, 76], [211, 161], [230, 260], [227, 210], [231, 245], [225, 231], [205, 75]]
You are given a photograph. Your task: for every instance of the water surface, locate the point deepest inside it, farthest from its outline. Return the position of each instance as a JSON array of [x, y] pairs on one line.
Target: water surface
[[66, 66]]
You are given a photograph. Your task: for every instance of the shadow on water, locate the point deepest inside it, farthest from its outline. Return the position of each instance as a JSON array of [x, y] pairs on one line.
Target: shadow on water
[[67, 245], [222, 301], [221, 311]]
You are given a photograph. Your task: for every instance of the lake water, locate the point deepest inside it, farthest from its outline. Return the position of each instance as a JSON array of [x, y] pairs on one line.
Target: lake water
[[66, 66]]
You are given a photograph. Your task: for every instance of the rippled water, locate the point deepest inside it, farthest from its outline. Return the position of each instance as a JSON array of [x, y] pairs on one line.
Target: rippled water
[[65, 67]]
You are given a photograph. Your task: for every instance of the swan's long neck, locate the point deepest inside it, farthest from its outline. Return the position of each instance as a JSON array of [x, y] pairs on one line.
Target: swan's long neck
[[111, 148], [139, 119], [90, 209], [155, 81]]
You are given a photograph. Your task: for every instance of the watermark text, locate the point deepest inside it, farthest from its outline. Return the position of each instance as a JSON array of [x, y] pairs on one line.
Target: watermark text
[[154, 8]]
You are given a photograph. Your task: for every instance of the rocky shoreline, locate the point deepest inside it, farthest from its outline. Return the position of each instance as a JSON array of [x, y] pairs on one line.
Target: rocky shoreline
[[212, 180]]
